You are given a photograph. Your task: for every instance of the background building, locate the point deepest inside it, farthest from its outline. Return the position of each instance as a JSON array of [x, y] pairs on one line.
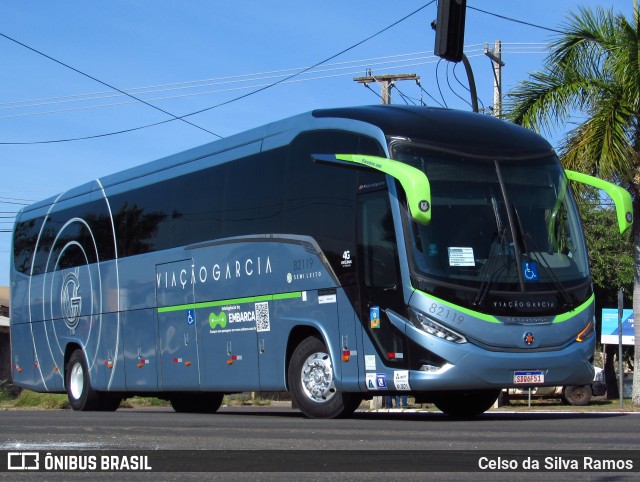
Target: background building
[[5, 344]]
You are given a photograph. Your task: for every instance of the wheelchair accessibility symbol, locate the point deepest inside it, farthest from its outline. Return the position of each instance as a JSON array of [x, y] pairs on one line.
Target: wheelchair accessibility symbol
[[530, 270], [191, 317]]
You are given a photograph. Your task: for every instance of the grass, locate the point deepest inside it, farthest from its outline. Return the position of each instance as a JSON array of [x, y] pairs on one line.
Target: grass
[[554, 405], [51, 401], [136, 402], [245, 399], [45, 401], [54, 401]]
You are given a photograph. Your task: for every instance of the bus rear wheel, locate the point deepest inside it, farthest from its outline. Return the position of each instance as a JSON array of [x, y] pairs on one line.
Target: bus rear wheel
[[465, 403], [196, 402], [81, 396], [312, 386]]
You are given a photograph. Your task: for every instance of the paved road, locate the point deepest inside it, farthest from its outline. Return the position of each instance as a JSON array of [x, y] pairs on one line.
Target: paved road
[[242, 428], [244, 435]]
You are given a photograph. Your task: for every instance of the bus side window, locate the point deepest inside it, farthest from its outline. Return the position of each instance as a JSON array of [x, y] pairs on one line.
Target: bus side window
[[377, 240]]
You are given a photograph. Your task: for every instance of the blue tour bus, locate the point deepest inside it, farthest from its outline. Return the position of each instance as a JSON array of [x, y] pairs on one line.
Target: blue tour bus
[[338, 255]]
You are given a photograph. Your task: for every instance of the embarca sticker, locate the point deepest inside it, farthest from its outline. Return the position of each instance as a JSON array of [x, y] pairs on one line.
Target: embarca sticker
[[233, 318]]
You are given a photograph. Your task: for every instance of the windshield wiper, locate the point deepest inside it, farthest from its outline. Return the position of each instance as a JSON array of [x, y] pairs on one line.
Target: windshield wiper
[[537, 256], [520, 231], [489, 271], [512, 228]]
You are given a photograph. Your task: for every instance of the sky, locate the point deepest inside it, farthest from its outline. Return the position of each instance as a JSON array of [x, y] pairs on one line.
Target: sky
[[184, 56]]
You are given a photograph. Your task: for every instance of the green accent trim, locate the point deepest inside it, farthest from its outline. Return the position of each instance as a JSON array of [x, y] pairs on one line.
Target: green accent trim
[[561, 318], [492, 319], [414, 182], [466, 311], [232, 301], [619, 195]]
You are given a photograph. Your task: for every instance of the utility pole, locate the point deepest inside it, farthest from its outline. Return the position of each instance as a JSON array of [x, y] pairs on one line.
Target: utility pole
[[496, 59], [386, 83]]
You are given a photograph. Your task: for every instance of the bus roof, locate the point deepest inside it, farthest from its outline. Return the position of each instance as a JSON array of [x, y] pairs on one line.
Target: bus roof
[[443, 129], [448, 129]]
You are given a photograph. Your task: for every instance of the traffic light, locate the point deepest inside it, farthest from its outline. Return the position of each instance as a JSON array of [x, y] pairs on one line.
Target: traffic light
[[450, 29]]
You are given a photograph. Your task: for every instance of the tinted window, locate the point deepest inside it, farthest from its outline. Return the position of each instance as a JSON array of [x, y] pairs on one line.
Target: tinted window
[[281, 191], [320, 199], [25, 236], [378, 240], [72, 237], [254, 194]]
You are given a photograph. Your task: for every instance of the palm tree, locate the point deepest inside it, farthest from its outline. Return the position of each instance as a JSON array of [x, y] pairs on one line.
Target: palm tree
[[591, 77]]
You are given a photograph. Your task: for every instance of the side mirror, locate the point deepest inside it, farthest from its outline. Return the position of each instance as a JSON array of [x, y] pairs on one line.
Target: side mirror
[[620, 197]]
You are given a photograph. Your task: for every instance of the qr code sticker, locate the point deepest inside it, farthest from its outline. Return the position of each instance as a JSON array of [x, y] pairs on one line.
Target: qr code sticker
[[262, 317]]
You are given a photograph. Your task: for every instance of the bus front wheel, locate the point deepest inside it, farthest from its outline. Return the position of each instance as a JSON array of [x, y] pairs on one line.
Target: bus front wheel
[[311, 383], [465, 403]]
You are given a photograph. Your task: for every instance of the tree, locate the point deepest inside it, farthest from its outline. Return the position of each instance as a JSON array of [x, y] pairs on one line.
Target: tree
[[610, 255], [611, 262], [591, 77]]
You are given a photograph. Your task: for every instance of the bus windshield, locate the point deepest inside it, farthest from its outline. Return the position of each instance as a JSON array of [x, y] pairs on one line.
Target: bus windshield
[[497, 225]]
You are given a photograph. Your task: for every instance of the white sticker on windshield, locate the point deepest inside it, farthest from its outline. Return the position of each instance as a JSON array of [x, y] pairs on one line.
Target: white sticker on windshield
[[461, 257]]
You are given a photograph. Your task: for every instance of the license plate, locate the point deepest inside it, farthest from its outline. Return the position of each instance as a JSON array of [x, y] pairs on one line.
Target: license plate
[[528, 377]]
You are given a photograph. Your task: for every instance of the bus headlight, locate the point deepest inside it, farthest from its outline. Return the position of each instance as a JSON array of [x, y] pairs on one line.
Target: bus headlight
[[427, 324], [587, 332]]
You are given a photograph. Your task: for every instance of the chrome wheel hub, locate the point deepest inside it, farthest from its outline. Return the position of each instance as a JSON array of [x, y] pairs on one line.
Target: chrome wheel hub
[[317, 378], [76, 381]]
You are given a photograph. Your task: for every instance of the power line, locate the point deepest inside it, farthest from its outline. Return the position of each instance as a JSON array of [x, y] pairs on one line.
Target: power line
[[515, 20], [428, 94], [416, 58], [351, 73], [263, 75], [438, 84], [105, 83], [455, 76], [4, 198], [244, 96], [359, 63], [451, 88]]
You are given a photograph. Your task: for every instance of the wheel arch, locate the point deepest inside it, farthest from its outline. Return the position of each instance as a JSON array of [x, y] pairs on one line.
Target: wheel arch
[[69, 349], [296, 336]]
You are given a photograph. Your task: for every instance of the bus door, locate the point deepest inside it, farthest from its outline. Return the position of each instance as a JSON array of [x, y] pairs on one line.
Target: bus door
[[379, 280], [177, 334]]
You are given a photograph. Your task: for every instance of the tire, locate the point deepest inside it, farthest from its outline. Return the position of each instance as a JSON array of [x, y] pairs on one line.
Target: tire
[[108, 402], [196, 402], [311, 383], [578, 395], [78, 384], [465, 403]]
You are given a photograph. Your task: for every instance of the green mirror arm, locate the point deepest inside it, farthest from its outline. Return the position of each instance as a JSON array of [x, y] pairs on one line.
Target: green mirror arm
[[619, 195], [413, 181]]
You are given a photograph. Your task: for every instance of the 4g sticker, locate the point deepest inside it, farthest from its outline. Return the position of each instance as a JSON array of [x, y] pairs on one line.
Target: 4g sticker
[[346, 259]]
